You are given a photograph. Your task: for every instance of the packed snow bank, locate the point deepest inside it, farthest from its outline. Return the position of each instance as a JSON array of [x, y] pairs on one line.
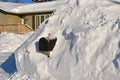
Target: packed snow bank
[[7, 40], [8, 43], [87, 47], [3, 75]]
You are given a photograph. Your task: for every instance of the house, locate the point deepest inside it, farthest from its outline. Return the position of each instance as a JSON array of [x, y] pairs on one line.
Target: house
[[14, 24], [33, 19]]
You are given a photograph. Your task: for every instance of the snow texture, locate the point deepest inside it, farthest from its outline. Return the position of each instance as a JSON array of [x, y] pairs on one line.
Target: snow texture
[[87, 47], [8, 44]]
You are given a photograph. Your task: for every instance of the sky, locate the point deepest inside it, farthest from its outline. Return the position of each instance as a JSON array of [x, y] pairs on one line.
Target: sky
[[19, 1]]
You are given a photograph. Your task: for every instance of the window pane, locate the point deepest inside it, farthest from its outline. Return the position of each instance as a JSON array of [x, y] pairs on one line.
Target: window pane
[[42, 18]]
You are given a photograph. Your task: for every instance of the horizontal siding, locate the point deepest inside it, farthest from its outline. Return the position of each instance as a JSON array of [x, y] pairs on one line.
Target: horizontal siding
[[15, 28], [9, 19]]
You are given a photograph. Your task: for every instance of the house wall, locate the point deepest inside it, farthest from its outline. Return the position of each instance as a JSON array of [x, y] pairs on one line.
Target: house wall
[[9, 19], [28, 20], [13, 19], [15, 28], [31, 21]]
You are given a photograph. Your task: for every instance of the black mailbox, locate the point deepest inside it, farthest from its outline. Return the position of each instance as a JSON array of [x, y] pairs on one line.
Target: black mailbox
[[47, 45]]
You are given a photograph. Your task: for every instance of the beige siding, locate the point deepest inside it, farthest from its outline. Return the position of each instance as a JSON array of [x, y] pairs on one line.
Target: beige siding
[[28, 20], [13, 19], [6, 19], [9, 19], [2, 19], [15, 28]]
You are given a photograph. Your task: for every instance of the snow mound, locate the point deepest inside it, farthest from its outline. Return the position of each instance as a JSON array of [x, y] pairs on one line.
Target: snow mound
[[87, 47], [7, 40]]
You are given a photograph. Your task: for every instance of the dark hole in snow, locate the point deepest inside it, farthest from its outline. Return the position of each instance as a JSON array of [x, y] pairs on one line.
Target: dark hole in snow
[[9, 65], [45, 45]]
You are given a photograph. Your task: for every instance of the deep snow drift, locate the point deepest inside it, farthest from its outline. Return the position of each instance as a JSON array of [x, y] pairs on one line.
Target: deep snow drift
[[88, 45], [8, 44]]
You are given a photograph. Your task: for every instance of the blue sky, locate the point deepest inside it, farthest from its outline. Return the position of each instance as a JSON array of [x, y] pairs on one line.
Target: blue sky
[[20, 1]]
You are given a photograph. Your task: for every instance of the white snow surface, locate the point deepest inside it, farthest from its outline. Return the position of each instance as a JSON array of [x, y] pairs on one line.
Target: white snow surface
[[9, 42], [87, 48]]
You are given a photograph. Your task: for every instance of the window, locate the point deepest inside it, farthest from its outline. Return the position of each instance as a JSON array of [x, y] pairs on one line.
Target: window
[[39, 19]]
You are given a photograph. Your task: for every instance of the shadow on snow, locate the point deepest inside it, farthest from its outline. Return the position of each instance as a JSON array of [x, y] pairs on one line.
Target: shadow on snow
[[9, 65], [116, 60]]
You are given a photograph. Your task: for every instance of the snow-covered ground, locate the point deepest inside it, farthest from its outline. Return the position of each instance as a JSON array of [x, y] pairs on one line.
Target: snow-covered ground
[[87, 48], [9, 42]]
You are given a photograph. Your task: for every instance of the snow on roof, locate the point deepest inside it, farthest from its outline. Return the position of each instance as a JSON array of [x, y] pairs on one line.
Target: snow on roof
[[20, 8]]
